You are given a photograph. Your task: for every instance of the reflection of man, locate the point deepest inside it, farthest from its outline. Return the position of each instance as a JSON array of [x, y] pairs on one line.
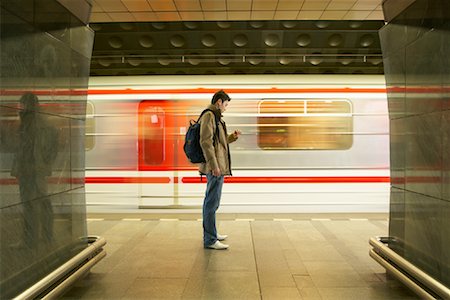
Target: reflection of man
[[34, 156]]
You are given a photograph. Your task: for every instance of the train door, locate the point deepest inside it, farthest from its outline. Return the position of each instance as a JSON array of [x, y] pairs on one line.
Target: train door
[[162, 126], [162, 162], [156, 154]]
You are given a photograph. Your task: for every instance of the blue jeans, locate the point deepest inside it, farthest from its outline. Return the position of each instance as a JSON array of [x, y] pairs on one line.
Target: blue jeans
[[210, 206]]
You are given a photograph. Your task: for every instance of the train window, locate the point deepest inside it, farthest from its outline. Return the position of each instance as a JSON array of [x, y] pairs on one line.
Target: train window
[[153, 135], [89, 139], [305, 124]]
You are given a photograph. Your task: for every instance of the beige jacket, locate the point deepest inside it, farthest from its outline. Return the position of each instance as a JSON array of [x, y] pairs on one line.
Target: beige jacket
[[217, 154]]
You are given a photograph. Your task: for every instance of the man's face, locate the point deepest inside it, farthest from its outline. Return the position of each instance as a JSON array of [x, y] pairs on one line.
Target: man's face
[[222, 105]]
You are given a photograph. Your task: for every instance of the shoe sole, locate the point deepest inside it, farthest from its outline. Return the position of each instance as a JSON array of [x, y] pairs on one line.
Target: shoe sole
[[212, 248]]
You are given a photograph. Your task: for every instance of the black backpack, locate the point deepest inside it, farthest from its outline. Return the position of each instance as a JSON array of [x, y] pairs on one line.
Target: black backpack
[[192, 146]]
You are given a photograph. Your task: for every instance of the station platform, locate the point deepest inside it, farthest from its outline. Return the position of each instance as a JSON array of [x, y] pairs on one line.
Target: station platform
[[271, 256]]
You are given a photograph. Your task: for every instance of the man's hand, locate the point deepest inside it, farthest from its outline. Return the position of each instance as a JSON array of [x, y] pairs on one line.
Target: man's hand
[[216, 172], [237, 133]]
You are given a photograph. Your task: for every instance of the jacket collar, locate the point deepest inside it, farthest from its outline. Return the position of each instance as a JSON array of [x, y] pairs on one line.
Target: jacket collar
[[215, 110]]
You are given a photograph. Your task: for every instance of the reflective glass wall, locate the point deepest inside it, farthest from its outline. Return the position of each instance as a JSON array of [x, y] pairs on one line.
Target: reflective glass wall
[[44, 68], [416, 47]]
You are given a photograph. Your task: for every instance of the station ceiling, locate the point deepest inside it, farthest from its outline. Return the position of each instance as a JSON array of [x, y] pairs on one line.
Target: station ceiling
[[144, 37], [233, 10]]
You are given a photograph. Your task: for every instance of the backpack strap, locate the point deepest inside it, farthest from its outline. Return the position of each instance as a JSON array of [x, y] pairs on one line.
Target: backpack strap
[[217, 121]]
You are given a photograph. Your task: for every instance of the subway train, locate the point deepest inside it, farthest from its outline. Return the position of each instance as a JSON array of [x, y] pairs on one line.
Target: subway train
[[309, 143]]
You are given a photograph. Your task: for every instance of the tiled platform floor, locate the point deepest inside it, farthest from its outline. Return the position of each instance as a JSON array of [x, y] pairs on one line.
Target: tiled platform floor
[[270, 257]]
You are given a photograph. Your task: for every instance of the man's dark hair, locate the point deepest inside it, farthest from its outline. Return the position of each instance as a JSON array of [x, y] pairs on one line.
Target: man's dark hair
[[220, 95]]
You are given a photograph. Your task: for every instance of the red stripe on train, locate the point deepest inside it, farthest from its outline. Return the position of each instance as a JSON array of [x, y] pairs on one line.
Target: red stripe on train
[[127, 180], [243, 91], [352, 179], [234, 179]]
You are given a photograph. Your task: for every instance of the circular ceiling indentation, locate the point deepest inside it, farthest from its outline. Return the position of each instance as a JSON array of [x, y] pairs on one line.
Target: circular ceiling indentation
[[209, 40], [354, 24], [177, 41], [134, 62], [191, 25], [256, 24], [285, 59], [164, 60], [115, 42], [375, 60], [335, 40], [126, 26], [346, 61], [254, 60], [223, 25], [159, 25], [146, 41], [366, 40], [289, 24], [303, 40], [104, 62], [193, 60], [271, 40], [240, 40], [315, 60], [322, 24], [224, 60]]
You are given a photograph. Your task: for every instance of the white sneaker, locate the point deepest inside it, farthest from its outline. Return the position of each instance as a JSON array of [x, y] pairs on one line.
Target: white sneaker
[[222, 237], [218, 246]]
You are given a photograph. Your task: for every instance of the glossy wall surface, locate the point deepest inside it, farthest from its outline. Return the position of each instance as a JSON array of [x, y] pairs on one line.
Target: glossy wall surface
[[416, 52], [45, 58]]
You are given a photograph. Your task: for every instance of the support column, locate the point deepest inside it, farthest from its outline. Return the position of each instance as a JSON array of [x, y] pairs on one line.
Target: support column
[[416, 54], [44, 70]]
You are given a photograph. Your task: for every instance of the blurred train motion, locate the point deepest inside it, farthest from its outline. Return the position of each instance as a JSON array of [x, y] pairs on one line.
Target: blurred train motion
[[310, 143]]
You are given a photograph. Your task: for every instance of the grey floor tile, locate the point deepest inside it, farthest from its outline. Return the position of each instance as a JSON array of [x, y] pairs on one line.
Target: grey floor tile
[[101, 286], [275, 278], [298, 259], [232, 260], [310, 293], [295, 264], [277, 293], [162, 268], [155, 288], [303, 281], [231, 285], [318, 251], [334, 274], [347, 294], [362, 293]]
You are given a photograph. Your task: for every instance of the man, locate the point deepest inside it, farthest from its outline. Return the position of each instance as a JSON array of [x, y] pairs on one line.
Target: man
[[218, 164]]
